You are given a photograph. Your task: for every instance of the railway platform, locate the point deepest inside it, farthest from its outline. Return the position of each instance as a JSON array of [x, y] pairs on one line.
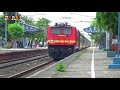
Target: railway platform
[[88, 63], [4, 50], [15, 53]]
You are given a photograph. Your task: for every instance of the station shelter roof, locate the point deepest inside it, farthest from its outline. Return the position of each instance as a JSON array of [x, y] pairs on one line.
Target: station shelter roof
[[93, 29], [30, 28]]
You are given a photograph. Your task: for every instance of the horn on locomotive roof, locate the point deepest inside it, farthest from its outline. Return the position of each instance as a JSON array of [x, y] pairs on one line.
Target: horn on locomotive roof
[[66, 23], [61, 24], [56, 24]]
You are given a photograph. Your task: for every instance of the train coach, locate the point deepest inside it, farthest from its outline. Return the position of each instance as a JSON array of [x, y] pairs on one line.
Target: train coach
[[64, 40]]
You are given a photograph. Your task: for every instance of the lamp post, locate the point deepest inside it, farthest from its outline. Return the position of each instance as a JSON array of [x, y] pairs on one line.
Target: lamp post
[[6, 29], [44, 33]]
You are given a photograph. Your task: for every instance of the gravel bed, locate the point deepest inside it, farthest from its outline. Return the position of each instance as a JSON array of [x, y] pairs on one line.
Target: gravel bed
[[17, 61], [8, 71]]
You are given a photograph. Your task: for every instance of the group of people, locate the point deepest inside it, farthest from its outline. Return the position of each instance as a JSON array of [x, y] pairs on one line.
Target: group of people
[[10, 43], [19, 44], [34, 45], [2, 42], [30, 44]]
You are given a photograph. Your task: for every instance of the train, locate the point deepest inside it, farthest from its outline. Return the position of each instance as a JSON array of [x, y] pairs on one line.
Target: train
[[64, 40]]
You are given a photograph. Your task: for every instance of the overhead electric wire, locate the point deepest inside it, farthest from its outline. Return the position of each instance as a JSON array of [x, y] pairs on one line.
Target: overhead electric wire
[[66, 12], [80, 14], [34, 14]]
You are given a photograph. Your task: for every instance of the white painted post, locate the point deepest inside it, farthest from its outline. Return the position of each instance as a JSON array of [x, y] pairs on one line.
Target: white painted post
[[107, 40]]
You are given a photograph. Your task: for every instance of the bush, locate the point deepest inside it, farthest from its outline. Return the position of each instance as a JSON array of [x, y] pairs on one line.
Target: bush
[[6, 45], [61, 67], [0, 38]]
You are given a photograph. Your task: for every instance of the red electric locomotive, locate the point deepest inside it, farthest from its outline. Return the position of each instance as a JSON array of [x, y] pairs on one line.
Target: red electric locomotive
[[63, 40]]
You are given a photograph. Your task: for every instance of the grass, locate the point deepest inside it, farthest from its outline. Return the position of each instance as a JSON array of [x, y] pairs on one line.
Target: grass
[[61, 67]]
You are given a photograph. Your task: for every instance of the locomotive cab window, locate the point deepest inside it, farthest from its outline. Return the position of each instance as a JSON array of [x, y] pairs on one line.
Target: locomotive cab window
[[55, 30], [67, 30]]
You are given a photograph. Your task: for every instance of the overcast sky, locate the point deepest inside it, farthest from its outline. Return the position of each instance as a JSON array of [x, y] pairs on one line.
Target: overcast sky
[[73, 18]]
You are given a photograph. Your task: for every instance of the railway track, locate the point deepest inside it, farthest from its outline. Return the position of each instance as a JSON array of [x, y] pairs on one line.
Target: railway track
[[12, 60], [18, 75], [17, 68], [20, 61]]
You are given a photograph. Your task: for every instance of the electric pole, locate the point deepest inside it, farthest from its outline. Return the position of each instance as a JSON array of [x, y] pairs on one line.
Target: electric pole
[[6, 29], [15, 16]]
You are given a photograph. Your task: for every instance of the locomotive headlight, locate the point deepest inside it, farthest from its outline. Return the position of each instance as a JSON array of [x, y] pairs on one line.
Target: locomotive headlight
[[51, 40]]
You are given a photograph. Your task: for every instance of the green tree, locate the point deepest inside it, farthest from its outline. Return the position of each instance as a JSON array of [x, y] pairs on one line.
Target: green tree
[[39, 36], [10, 21], [2, 25], [96, 36], [28, 20], [16, 31], [110, 22], [43, 23], [107, 21], [30, 35]]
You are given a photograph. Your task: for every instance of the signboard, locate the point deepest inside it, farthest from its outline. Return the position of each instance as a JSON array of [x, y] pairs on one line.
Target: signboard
[[12, 17], [29, 27], [92, 29], [20, 23], [26, 27]]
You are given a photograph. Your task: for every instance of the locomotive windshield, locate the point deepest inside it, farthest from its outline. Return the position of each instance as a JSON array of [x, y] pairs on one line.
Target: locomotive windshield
[[67, 30], [56, 30], [63, 30]]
